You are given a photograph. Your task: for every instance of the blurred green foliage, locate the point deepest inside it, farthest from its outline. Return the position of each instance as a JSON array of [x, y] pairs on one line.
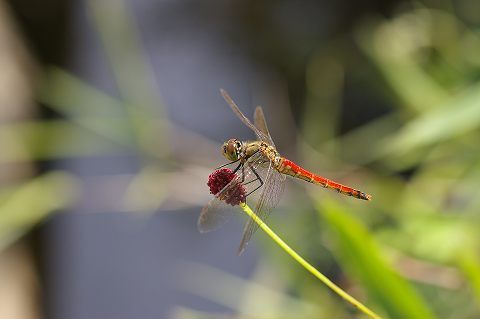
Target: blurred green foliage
[[413, 252]]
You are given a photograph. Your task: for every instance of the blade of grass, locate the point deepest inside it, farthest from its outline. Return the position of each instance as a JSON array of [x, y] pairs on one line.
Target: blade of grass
[[339, 291], [469, 263], [98, 112], [360, 256], [53, 139], [133, 73], [459, 116], [85, 105], [390, 47], [29, 203]]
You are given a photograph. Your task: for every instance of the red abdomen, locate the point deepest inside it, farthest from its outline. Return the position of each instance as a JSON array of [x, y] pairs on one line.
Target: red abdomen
[[290, 168]]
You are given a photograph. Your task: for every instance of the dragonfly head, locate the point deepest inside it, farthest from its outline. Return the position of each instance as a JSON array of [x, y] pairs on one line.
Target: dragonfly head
[[232, 149]]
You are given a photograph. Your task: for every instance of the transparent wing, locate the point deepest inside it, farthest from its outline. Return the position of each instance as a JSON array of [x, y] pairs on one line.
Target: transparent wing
[[261, 135], [261, 123], [214, 215], [217, 212], [274, 185]]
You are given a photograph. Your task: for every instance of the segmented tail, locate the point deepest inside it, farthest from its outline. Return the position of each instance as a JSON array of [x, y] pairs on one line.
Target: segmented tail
[[289, 168]]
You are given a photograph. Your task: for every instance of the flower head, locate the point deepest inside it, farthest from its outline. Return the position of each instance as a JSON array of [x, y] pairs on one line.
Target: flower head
[[219, 179]]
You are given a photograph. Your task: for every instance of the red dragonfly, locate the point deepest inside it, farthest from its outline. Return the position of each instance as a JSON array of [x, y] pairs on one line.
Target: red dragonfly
[[259, 165]]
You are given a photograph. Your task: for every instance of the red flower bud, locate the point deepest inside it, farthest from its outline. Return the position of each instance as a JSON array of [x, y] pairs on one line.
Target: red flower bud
[[219, 179]]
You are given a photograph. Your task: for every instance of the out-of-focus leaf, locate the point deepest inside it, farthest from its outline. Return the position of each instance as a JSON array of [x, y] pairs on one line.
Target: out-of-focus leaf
[[85, 105], [70, 95], [469, 263], [109, 117], [434, 237], [366, 136], [53, 139], [459, 116], [359, 255], [394, 46], [133, 73], [28, 204], [123, 45]]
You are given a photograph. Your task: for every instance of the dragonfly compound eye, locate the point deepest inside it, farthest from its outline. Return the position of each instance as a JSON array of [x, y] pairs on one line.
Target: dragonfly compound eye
[[230, 150]]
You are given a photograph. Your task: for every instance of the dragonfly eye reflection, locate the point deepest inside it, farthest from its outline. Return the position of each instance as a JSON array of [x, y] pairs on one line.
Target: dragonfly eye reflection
[[231, 149]]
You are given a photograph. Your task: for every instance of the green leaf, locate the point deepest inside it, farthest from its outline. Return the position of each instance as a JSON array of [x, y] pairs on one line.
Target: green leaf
[[29, 203], [37, 140], [359, 255], [469, 264], [457, 117]]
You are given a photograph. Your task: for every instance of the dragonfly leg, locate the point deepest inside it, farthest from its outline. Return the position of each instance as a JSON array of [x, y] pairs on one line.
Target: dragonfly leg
[[228, 164], [238, 167], [243, 172], [258, 178], [253, 180]]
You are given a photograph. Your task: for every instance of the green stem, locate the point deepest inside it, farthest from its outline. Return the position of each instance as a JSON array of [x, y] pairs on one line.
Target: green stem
[[308, 266]]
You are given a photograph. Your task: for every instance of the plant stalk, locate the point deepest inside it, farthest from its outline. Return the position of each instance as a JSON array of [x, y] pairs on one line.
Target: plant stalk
[[339, 291]]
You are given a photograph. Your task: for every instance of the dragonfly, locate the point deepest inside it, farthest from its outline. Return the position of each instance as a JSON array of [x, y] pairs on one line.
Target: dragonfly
[[260, 167]]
